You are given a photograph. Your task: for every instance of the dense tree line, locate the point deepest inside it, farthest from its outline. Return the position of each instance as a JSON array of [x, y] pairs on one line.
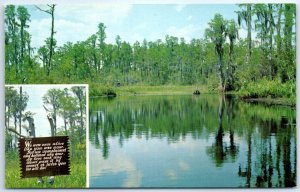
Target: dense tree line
[[221, 59]]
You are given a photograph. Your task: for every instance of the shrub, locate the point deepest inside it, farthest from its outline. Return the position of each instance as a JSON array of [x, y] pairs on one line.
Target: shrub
[[268, 88], [101, 90]]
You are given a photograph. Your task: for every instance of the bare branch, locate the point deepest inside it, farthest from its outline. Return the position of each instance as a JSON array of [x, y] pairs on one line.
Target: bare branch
[[14, 131], [46, 11], [47, 110], [51, 6]]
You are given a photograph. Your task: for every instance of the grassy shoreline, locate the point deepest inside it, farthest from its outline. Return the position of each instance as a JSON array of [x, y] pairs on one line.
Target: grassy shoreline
[[76, 179], [104, 91], [96, 91]]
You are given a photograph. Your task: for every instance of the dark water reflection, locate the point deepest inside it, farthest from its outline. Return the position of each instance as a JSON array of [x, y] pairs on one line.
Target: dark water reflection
[[190, 141]]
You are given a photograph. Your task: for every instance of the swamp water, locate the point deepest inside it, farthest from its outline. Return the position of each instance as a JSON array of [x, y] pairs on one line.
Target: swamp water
[[190, 141]]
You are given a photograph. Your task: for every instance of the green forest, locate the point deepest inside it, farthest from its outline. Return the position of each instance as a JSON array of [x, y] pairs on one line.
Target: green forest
[[69, 105], [261, 65]]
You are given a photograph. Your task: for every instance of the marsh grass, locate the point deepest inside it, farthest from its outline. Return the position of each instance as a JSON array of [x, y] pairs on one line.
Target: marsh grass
[[76, 179], [98, 90]]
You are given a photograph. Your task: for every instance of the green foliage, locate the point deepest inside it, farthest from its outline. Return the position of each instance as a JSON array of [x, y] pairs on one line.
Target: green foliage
[[170, 61], [15, 105], [267, 88], [213, 83], [219, 29], [70, 105], [8, 140], [108, 91], [98, 90]]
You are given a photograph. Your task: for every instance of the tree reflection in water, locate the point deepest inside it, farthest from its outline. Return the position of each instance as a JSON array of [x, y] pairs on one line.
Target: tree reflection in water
[[267, 132]]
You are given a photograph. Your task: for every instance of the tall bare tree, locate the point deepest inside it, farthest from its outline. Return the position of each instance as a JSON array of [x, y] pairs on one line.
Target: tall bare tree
[[50, 11]]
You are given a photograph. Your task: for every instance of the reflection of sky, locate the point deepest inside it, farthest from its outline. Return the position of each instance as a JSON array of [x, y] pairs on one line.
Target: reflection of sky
[[116, 166], [35, 105], [158, 163]]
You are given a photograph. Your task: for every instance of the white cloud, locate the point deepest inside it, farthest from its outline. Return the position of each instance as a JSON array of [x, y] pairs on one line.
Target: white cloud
[[187, 31], [71, 31], [39, 29], [77, 22], [179, 7], [95, 13], [65, 31], [189, 18]]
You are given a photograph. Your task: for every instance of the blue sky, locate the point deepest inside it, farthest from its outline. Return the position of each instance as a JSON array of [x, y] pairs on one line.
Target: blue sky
[[131, 21]]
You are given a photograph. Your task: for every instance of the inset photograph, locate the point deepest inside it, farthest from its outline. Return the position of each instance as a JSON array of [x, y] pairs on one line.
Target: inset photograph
[[45, 136]]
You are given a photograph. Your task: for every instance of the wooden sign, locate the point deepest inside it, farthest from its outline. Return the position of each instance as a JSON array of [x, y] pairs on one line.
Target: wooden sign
[[44, 156]]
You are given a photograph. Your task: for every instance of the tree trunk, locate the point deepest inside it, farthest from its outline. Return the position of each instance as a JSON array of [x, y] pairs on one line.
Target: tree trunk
[[16, 55], [81, 122], [29, 53], [65, 124], [278, 30], [52, 8], [54, 120], [7, 116], [288, 30], [231, 68], [221, 72], [249, 153], [273, 70], [249, 27], [22, 45], [15, 122], [20, 111], [52, 127]]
